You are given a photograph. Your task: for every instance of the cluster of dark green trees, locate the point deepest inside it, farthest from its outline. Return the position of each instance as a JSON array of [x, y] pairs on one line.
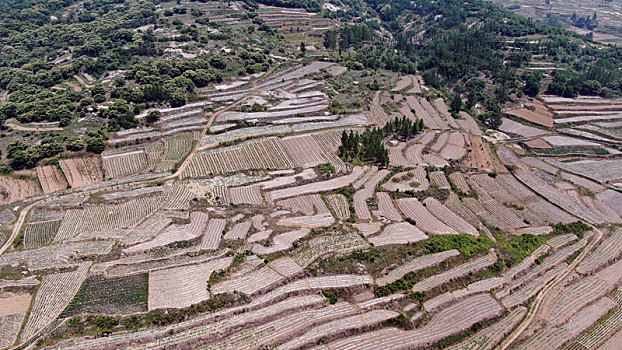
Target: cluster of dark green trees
[[368, 146], [42, 48], [403, 128], [347, 36], [451, 53]]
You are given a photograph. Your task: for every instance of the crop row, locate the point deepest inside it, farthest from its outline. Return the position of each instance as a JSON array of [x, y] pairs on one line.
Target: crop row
[[329, 244], [179, 287], [398, 233], [213, 234], [316, 187], [307, 204], [263, 278], [413, 209], [469, 267], [40, 233], [339, 204], [55, 293], [386, 207], [258, 154], [119, 165], [304, 150], [281, 242], [416, 264], [245, 195], [609, 249], [448, 217], [57, 255], [450, 321], [107, 216], [175, 233], [361, 196]]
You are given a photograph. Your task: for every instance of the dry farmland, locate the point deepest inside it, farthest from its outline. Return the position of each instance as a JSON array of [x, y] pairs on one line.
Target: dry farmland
[[233, 223]]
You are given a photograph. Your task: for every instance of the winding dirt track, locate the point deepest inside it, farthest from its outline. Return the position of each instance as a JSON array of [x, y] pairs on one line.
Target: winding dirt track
[[535, 307]]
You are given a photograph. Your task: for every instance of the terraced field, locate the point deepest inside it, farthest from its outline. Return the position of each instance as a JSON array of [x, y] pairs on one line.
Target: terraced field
[[233, 223]]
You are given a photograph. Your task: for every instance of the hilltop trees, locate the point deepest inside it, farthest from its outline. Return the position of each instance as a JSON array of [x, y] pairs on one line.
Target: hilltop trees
[[368, 146]]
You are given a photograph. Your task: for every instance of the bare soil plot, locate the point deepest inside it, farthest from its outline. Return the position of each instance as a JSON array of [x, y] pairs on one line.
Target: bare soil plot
[[468, 124], [82, 171], [414, 180], [14, 189], [513, 127], [537, 117], [479, 156], [51, 179], [329, 244], [454, 149], [13, 307]]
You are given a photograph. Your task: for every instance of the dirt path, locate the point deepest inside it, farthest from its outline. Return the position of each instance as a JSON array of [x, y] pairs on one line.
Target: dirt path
[[198, 147], [18, 226], [24, 213], [32, 128], [535, 307]]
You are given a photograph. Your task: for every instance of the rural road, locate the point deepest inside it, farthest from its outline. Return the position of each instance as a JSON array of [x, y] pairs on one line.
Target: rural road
[[533, 311]]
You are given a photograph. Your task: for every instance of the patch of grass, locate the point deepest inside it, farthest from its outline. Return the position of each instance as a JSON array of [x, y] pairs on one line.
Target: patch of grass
[[576, 227], [100, 295]]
